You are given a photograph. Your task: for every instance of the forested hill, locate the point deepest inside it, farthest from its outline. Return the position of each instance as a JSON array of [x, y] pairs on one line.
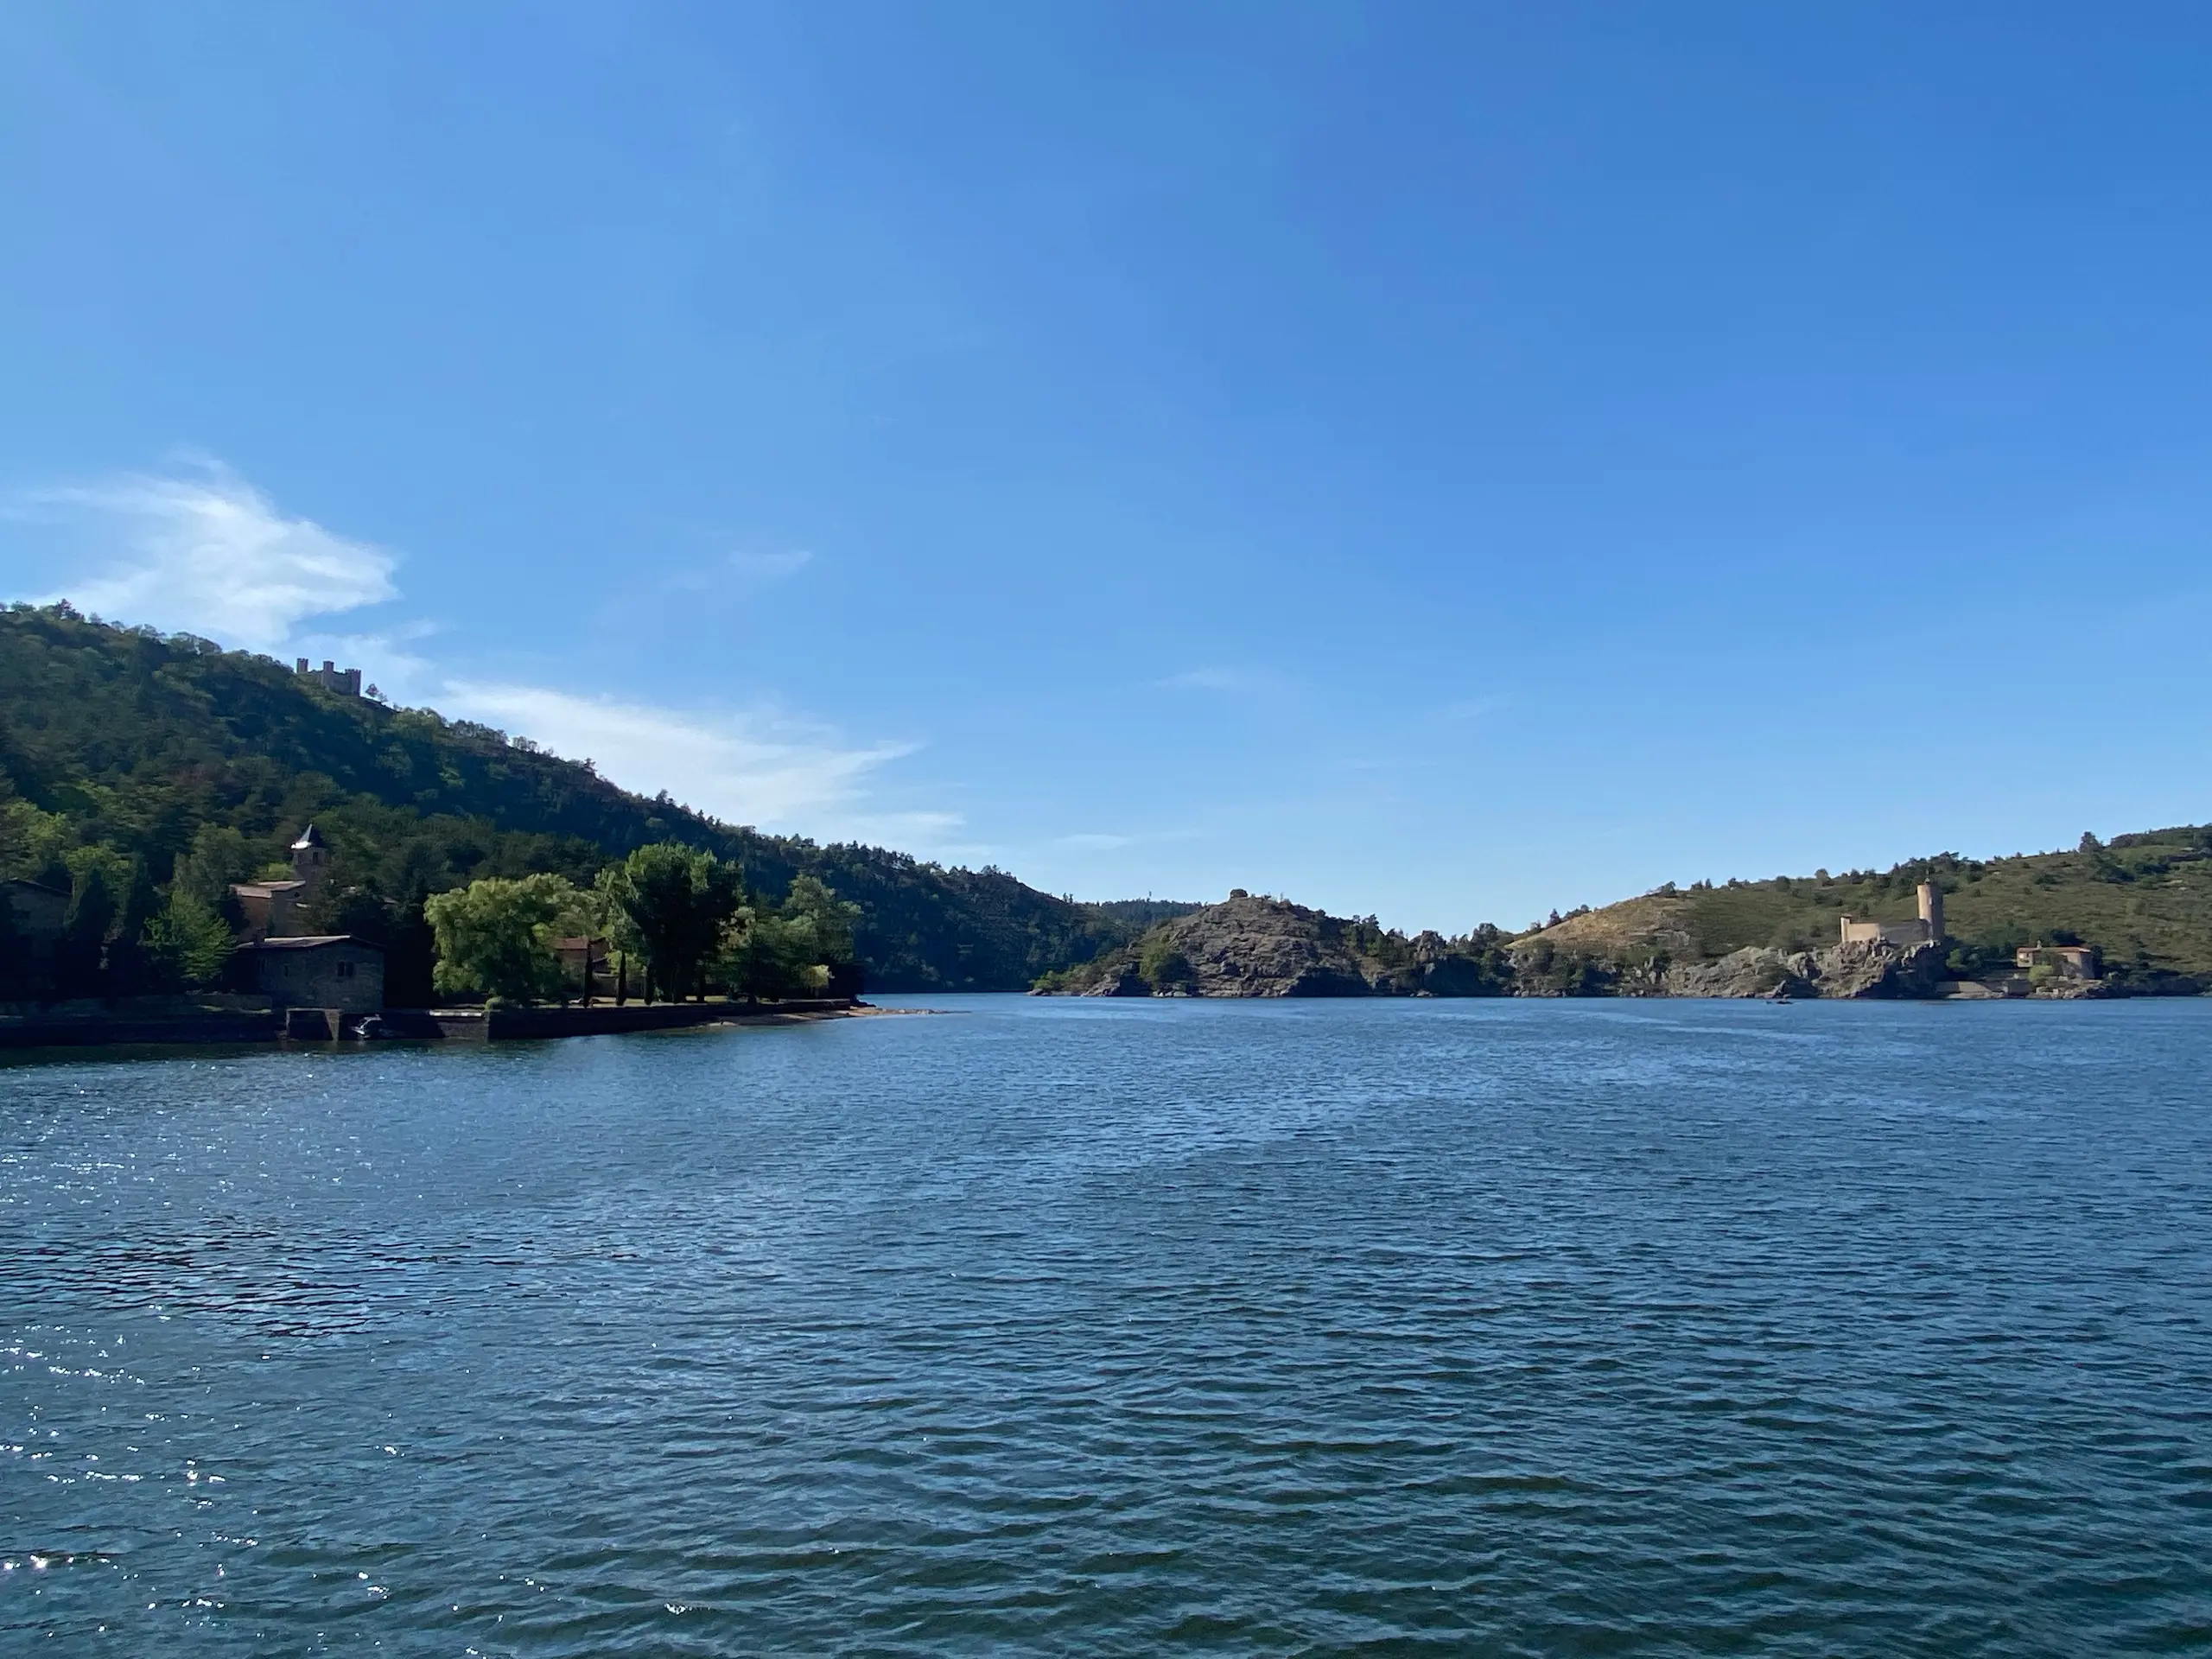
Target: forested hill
[[137, 741]]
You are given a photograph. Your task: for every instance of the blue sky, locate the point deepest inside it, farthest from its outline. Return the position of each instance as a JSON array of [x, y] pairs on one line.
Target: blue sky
[[1448, 462]]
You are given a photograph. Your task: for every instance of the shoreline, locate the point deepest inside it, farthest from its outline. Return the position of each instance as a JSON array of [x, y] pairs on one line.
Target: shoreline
[[308, 1027]]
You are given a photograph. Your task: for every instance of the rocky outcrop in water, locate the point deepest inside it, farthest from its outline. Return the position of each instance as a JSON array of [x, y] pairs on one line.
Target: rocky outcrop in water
[[1120, 979], [1251, 947], [1247, 947]]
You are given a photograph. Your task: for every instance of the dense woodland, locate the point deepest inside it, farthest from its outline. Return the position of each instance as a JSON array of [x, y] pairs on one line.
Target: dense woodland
[[139, 769]]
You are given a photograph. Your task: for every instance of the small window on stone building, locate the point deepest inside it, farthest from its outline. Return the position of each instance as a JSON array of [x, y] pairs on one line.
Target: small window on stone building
[[345, 970]]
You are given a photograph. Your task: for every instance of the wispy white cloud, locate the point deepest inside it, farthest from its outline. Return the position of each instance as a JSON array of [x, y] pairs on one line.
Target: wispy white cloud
[[1209, 679], [206, 552], [770, 565], [200, 549], [742, 768], [1099, 841]]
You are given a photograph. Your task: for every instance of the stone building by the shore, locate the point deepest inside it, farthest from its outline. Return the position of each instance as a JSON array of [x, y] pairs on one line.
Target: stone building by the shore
[[2069, 962], [335, 971], [280, 960]]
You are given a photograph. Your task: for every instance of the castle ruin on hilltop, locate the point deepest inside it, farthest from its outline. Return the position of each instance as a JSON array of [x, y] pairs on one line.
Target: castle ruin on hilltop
[[346, 682]]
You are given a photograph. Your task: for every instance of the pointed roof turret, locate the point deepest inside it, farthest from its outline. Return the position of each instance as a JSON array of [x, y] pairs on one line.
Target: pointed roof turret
[[309, 837]]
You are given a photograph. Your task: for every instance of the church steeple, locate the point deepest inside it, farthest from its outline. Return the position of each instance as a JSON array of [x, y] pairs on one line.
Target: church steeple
[[309, 853]]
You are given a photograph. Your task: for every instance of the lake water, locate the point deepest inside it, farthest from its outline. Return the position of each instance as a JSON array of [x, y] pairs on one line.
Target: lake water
[[1478, 1327]]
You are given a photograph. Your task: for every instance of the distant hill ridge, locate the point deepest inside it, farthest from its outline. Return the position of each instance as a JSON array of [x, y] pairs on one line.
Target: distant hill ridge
[[2145, 901], [131, 739]]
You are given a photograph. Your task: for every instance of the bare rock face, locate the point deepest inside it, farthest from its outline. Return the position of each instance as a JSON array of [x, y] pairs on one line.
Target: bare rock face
[[2073, 991], [1125, 982], [1753, 971], [1844, 971], [1883, 970]]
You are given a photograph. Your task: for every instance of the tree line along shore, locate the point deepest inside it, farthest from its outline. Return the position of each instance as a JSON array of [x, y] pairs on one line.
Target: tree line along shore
[[148, 781]]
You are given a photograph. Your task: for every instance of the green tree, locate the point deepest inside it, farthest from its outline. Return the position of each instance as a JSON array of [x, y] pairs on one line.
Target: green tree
[[776, 956], [804, 948], [495, 937], [831, 922], [677, 905], [81, 961], [187, 942], [831, 917], [220, 856], [33, 845], [1162, 966], [128, 969]]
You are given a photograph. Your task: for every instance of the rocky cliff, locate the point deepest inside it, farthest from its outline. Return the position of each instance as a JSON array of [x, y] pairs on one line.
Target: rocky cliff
[[1843, 970]]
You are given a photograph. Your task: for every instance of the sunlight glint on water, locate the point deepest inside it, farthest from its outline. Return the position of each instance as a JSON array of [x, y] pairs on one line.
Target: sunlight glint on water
[[1501, 1327]]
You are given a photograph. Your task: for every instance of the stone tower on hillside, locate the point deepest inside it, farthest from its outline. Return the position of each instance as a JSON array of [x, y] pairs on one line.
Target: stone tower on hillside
[[1931, 911]]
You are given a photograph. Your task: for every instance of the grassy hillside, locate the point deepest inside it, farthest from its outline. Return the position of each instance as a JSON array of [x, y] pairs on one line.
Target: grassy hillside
[[139, 743], [2145, 900]]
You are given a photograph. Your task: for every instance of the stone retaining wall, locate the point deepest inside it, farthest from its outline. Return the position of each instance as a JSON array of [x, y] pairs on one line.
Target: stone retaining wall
[[96, 1031], [306, 1025]]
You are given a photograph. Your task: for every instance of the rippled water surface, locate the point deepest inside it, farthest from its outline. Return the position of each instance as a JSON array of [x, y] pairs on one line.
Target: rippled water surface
[[1474, 1327]]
